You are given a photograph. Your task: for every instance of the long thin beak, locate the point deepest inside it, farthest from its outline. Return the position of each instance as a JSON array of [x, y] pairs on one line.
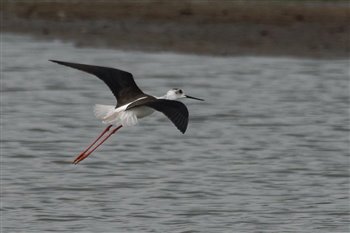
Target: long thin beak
[[191, 97]]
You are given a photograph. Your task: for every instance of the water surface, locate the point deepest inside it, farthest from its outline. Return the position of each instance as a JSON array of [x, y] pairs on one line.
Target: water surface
[[268, 151]]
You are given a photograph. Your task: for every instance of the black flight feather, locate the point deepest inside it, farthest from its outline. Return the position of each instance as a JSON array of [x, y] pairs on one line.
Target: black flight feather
[[176, 111], [120, 82]]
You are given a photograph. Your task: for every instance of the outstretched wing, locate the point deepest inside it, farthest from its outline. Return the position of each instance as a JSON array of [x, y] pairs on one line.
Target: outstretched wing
[[176, 111], [120, 82]]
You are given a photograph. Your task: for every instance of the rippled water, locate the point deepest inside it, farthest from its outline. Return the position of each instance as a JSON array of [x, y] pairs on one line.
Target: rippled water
[[268, 151]]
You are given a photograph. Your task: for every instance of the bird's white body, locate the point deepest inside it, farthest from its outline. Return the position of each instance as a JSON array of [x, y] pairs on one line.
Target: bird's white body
[[120, 116]]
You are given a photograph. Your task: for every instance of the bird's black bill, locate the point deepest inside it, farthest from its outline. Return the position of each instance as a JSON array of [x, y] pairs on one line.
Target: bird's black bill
[[191, 97]]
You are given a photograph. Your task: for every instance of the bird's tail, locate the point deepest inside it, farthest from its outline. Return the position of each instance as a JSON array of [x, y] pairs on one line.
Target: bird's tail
[[110, 115], [103, 112]]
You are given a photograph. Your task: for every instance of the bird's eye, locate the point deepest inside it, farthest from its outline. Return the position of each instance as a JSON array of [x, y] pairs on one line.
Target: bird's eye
[[180, 91]]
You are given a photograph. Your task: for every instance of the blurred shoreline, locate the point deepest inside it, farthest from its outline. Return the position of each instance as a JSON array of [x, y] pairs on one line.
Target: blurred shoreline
[[315, 29]]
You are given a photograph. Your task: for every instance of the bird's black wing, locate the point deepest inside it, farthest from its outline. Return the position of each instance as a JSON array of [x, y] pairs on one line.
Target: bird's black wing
[[176, 111], [120, 82]]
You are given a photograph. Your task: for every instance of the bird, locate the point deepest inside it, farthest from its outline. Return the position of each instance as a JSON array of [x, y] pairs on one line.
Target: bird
[[132, 104]]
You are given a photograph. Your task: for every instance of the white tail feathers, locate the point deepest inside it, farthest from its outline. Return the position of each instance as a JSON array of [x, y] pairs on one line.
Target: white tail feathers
[[103, 111], [110, 115]]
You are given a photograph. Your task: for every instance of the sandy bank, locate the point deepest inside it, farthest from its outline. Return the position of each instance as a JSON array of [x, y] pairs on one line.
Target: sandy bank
[[272, 28]]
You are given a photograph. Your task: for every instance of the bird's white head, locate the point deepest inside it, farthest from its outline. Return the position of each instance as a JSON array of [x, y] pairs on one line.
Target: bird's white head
[[177, 93]]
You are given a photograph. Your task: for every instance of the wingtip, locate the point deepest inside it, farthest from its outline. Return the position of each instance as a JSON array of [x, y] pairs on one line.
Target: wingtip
[[55, 61], [183, 130], [64, 63]]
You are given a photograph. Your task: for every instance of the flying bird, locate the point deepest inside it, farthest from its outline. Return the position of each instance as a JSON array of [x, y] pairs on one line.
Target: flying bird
[[132, 104]]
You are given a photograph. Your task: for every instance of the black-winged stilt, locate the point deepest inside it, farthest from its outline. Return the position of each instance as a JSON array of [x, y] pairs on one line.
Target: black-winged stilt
[[132, 103]]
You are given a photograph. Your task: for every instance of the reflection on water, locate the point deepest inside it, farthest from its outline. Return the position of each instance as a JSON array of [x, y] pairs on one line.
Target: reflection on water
[[267, 151]]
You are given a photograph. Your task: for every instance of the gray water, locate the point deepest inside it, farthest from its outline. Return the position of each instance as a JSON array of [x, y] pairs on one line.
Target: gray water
[[268, 151]]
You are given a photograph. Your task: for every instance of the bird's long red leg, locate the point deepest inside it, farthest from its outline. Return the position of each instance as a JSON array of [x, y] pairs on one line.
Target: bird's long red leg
[[85, 155], [93, 143]]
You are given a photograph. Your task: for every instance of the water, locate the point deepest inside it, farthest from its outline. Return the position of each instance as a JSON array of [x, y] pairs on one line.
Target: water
[[268, 151]]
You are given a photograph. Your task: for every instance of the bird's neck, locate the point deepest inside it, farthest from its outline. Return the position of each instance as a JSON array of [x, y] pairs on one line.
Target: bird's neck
[[164, 97]]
